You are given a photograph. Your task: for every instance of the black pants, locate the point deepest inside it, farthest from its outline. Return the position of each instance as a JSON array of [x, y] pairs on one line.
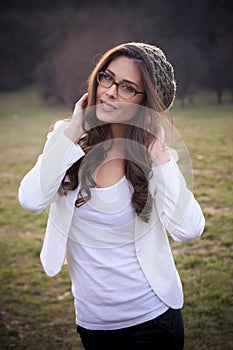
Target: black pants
[[165, 332]]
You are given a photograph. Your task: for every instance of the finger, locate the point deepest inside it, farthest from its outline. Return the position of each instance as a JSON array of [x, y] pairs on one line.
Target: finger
[[81, 104], [83, 100]]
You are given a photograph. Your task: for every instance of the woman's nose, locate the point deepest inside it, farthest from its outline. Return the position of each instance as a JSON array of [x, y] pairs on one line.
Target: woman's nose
[[112, 91]]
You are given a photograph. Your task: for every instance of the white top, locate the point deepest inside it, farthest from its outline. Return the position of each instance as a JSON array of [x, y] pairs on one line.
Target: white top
[[109, 287]]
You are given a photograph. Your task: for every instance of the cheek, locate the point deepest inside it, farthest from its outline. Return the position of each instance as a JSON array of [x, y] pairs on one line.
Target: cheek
[[99, 92], [129, 110], [141, 99]]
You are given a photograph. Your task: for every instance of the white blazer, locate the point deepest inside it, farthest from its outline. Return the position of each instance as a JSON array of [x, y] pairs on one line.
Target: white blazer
[[174, 210]]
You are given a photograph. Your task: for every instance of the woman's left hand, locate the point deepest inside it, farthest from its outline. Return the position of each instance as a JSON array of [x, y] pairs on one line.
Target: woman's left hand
[[157, 149]]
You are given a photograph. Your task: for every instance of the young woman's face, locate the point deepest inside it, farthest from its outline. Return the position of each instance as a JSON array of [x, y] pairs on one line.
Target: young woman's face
[[113, 104]]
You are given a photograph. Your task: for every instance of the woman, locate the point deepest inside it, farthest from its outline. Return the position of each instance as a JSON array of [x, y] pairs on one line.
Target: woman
[[114, 190]]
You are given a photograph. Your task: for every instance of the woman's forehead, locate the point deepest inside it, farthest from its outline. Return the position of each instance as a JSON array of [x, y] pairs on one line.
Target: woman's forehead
[[125, 68]]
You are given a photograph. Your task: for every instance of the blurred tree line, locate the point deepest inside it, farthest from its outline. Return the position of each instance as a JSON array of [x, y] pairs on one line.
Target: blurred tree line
[[56, 43]]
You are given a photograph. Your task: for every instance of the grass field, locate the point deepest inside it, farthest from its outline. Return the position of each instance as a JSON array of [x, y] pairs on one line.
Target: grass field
[[36, 312]]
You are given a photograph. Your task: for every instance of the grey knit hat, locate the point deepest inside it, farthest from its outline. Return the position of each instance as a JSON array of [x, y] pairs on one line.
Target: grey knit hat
[[159, 68]]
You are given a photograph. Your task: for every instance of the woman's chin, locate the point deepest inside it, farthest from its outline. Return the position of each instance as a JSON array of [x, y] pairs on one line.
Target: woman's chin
[[106, 116]]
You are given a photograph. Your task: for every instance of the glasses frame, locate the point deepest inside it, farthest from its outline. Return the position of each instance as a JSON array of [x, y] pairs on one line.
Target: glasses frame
[[114, 82]]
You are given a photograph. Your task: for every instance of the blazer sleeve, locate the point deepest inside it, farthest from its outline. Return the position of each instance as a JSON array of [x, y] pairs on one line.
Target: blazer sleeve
[[178, 210], [39, 187]]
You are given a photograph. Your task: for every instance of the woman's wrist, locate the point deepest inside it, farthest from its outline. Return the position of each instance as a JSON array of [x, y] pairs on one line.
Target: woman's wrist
[[74, 132]]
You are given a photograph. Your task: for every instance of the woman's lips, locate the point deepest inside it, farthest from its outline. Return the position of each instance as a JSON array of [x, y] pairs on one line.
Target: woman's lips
[[107, 107]]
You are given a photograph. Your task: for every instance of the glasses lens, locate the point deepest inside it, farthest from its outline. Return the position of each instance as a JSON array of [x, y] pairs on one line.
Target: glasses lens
[[104, 79], [126, 91]]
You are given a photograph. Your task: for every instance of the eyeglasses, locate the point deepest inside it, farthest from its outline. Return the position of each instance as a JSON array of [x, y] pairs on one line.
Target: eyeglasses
[[124, 89]]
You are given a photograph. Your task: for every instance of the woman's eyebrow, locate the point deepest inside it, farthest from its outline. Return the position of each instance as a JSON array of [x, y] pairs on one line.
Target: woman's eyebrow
[[125, 80]]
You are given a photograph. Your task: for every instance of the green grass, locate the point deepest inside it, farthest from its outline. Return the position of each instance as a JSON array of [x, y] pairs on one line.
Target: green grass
[[37, 312]]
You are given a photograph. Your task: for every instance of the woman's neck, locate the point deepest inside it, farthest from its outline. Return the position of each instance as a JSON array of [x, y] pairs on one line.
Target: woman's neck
[[117, 131]]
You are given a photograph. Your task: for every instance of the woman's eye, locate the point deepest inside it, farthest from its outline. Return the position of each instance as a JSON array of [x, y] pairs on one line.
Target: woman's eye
[[128, 88], [107, 77]]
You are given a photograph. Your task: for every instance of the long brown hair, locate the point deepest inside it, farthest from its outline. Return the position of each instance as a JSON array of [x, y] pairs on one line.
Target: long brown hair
[[141, 130]]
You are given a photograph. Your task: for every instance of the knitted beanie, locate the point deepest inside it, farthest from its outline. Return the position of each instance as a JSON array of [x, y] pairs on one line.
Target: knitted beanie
[[160, 70]]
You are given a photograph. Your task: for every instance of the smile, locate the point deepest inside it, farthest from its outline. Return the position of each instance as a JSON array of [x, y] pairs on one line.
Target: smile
[[107, 107]]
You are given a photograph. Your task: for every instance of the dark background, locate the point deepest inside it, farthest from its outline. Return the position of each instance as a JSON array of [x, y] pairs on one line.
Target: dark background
[[55, 43]]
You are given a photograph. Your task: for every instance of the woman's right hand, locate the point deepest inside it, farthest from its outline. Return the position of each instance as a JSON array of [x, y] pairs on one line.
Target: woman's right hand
[[75, 128]]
